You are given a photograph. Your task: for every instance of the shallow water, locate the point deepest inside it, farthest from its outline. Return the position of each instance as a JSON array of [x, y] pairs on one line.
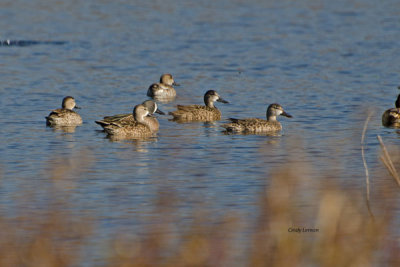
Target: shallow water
[[326, 63]]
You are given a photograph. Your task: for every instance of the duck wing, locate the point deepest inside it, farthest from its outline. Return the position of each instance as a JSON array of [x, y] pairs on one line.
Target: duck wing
[[119, 117]]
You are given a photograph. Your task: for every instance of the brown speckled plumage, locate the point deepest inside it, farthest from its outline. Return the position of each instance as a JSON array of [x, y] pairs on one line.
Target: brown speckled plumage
[[64, 116], [258, 126], [128, 117], [252, 125], [391, 117], [129, 128], [198, 112], [164, 88]]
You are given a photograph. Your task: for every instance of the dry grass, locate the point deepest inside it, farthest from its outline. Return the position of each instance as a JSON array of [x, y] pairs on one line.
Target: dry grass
[[386, 159], [344, 232], [363, 154]]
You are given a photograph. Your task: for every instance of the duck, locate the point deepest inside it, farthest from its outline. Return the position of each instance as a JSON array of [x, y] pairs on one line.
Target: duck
[[128, 117], [209, 112], [65, 116], [138, 128], [164, 88], [255, 125], [391, 117]]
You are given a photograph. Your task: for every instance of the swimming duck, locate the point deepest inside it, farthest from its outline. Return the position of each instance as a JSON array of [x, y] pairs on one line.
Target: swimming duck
[[200, 113], [254, 125], [138, 128], [391, 117], [128, 117], [163, 88], [65, 116]]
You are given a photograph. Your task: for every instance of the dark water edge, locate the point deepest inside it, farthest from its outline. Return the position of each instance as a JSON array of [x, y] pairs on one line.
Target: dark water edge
[[29, 43]]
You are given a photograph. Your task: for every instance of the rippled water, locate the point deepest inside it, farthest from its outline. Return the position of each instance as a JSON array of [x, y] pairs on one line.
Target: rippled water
[[327, 63]]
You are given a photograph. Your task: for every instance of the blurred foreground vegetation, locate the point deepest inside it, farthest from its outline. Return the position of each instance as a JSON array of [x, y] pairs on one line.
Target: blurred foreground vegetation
[[344, 229]]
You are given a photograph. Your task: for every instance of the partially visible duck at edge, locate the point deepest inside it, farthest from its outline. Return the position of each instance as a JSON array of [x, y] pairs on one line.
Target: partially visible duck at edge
[[391, 117], [65, 116], [138, 128], [198, 112], [164, 88], [258, 126], [128, 117]]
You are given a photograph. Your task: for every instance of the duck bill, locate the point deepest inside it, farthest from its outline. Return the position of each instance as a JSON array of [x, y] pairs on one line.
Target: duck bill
[[286, 114], [160, 112], [77, 107], [222, 101], [175, 84]]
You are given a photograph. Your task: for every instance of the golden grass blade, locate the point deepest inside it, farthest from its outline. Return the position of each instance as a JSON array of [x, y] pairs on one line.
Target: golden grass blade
[[363, 153], [388, 161]]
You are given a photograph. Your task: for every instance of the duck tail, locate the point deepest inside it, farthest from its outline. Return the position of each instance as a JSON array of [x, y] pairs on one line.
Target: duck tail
[[102, 123]]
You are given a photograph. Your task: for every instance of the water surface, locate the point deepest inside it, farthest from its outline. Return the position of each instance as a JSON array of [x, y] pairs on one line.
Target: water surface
[[327, 63]]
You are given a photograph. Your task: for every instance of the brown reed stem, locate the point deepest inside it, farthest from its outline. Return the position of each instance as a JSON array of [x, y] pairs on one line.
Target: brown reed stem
[[388, 161], [363, 155]]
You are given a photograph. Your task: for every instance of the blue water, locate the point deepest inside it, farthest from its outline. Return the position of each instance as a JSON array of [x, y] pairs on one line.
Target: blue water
[[327, 63]]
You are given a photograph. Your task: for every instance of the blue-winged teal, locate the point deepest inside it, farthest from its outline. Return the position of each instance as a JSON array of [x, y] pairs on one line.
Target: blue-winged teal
[[128, 117], [65, 116], [138, 128], [391, 117], [163, 88], [200, 113], [253, 125]]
